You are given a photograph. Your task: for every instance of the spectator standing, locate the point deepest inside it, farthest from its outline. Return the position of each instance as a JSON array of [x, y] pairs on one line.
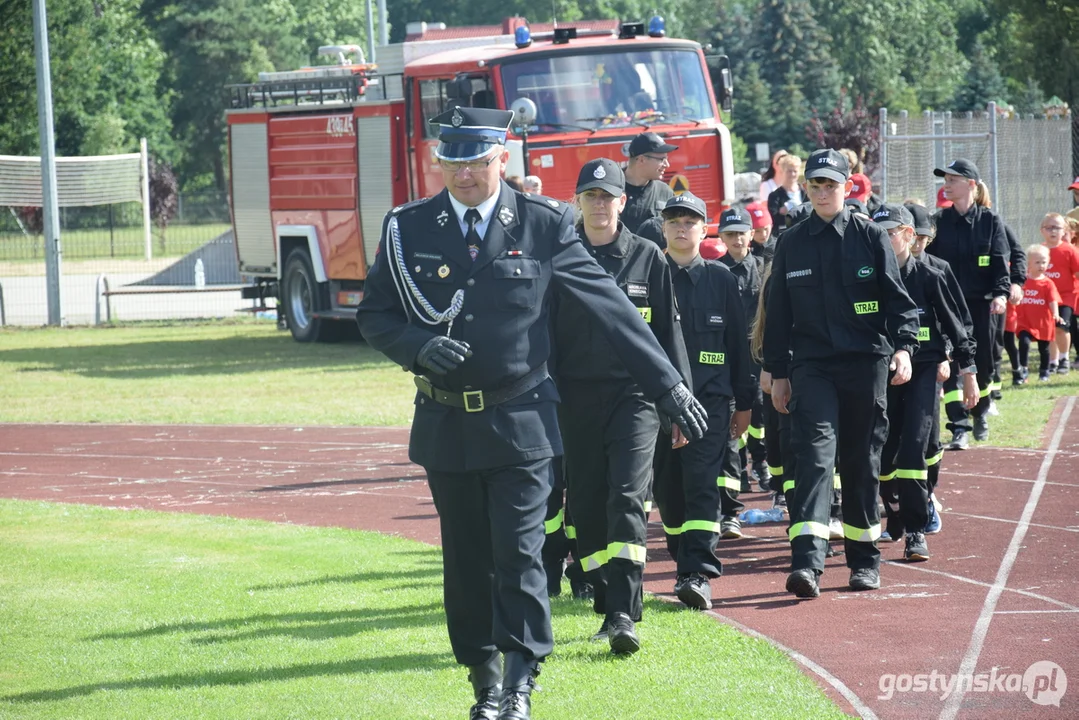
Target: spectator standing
[[646, 193]]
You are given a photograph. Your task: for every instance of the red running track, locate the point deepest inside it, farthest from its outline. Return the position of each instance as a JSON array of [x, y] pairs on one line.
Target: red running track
[[1000, 593]]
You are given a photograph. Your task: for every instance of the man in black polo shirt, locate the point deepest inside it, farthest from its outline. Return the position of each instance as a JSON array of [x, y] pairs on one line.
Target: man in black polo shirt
[[838, 320], [646, 193]]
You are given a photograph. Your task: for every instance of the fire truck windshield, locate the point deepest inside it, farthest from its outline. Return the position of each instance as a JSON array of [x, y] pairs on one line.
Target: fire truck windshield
[[610, 89]]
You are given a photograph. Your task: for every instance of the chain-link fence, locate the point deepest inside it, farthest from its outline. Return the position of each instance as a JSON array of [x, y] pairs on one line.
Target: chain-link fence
[[1026, 161], [193, 260]]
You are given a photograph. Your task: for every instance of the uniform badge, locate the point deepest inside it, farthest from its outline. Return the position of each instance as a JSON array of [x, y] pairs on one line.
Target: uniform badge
[[599, 173], [505, 215], [442, 218], [444, 271], [552, 203], [457, 118]]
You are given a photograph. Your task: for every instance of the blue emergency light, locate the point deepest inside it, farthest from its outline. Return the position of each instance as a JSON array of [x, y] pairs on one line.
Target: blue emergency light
[[656, 27], [522, 36]]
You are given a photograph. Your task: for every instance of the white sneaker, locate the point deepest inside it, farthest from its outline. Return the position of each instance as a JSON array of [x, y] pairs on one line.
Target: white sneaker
[[993, 410], [835, 529]]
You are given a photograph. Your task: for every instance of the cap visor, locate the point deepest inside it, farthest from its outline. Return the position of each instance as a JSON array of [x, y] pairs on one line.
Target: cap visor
[[1074, 186], [666, 148], [463, 151], [941, 172], [923, 231], [889, 224], [670, 212], [603, 185], [827, 173], [735, 227]]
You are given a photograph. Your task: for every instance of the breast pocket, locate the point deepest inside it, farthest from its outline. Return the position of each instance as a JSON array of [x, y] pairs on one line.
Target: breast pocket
[[637, 292], [710, 326], [517, 282], [432, 269]]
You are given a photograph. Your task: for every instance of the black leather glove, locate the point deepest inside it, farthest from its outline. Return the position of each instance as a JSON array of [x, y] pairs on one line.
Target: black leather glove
[[680, 407], [441, 354]]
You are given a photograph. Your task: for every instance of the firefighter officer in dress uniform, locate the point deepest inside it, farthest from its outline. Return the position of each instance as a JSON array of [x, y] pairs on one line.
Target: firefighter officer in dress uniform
[[646, 193], [458, 294], [608, 424], [838, 319]]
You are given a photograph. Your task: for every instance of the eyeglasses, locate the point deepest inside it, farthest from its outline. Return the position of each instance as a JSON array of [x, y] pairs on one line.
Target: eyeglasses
[[473, 166], [657, 158]]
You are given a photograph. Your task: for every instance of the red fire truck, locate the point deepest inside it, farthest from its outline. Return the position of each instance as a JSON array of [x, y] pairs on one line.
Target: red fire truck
[[319, 155]]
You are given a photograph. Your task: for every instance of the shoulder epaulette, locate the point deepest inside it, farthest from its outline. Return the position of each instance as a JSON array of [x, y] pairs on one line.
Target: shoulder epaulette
[[408, 206], [543, 200]]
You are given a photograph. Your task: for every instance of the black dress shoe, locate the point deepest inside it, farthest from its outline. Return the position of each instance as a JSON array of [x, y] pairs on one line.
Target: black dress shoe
[[803, 583], [516, 703], [622, 634]]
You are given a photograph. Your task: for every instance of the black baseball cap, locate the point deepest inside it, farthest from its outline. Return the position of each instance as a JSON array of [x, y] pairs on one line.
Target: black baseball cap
[[827, 163], [649, 142], [961, 167], [604, 174], [687, 201], [893, 216], [734, 221], [923, 222], [857, 206]]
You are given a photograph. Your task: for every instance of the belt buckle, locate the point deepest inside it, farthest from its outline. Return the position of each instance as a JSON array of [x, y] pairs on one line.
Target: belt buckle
[[473, 400]]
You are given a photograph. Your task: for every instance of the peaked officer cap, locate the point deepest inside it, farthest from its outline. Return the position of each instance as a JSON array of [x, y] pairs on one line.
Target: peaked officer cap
[[466, 133]]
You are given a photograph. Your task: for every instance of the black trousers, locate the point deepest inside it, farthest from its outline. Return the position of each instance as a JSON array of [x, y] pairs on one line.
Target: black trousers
[[904, 474], [1025, 339], [609, 438], [837, 405], [997, 323], [934, 451], [495, 590], [777, 439], [560, 535], [986, 336], [690, 487]]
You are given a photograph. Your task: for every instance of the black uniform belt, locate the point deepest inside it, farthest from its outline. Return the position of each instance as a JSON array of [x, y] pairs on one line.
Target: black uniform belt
[[477, 400]]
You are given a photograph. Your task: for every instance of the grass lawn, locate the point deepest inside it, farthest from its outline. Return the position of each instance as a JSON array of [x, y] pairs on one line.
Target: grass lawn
[[134, 614], [225, 372], [122, 242], [247, 372]]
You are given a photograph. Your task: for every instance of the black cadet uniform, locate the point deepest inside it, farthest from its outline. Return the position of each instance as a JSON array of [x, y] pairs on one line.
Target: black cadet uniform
[[913, 405], [976, 248], [644, 202], [1017, 275], [608, 424], [690, 481], [749, 272], [485, 428], [923, 225], [837, 312]]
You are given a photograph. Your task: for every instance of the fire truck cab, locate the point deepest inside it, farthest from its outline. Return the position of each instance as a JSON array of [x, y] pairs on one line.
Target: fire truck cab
[[318, 156]]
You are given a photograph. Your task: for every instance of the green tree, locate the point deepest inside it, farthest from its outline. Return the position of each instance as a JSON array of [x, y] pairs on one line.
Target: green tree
[[795, 51], [983, 82], [792, 114], [754, 110], [211, 44], [105, 66]]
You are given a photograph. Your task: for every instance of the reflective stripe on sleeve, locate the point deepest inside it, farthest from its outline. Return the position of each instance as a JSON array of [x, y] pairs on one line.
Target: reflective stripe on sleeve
[[953, 396], [742, 441], [788, 485], [861, 534], [912, 474], [690, 525], [775, 469], [594, 561], [836, 482], [889, 476], [571, 532], [931, 461], [729, 483], [756, 432]]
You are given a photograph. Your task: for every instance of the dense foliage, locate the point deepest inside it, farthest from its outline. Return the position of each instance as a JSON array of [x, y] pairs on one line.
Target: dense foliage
[[805, 69]]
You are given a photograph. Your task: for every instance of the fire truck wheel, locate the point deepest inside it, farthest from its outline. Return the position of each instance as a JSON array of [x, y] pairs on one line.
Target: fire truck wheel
[[302, 297]]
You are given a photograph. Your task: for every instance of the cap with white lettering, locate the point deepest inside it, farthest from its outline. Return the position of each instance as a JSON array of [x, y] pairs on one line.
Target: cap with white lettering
[[828, 164]]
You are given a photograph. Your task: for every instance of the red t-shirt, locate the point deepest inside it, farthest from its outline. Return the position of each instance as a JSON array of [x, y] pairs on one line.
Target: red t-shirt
[[1011, 319], [1063, 264], [1034, 314]]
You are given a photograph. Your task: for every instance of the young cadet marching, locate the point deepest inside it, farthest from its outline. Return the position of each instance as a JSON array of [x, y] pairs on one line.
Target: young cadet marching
[[913, 405], [924, 231], [736, 231], [838, 320], [608, 424], [458, 294], [690, 481]]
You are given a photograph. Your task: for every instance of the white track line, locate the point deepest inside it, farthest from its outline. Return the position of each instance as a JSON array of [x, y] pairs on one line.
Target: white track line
[[1012, 522], [971, 581], [981, 628], [856, 702]]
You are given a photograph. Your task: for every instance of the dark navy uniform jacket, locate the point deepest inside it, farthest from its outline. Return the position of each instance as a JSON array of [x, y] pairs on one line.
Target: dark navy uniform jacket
[[749, 273], [529, 249], [714, 328], [835, 290], [644, 202], [955, 294], [940, 324], [640, 270], [976, 247]]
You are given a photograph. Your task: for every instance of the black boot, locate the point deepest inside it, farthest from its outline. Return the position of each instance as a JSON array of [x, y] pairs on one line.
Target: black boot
[[486, 682], [518, 679]]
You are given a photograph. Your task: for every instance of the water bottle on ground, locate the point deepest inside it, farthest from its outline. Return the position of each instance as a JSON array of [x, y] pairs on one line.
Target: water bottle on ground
[[200, 274], [756, 516]]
